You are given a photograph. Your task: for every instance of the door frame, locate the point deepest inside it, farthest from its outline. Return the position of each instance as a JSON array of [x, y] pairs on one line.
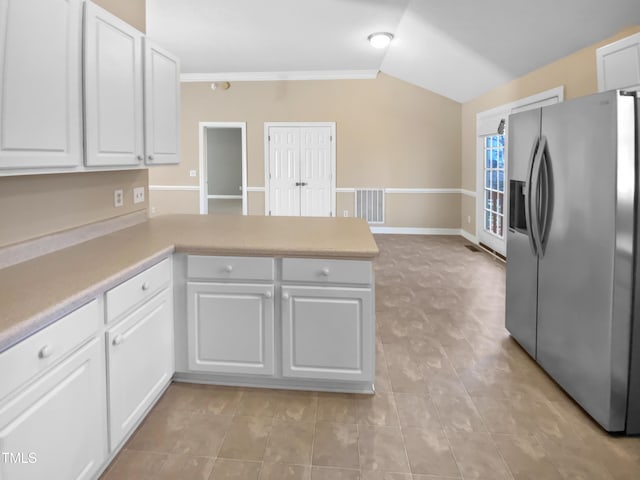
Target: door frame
[[332, 126], [486, 124], [202, 142]]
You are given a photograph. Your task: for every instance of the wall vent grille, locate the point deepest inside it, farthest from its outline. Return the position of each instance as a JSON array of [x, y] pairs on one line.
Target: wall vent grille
[[370, 204]]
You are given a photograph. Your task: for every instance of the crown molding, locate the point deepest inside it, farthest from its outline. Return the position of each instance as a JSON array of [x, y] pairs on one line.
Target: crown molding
[[276, 76]]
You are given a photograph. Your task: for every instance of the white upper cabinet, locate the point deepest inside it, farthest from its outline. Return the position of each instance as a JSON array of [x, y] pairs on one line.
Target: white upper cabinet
[[40, 98], [114, 134], [619, 64], [162, 105]]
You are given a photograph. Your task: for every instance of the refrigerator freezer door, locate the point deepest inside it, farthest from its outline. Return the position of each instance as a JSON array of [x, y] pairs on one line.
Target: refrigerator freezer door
[[521, 291], [633, 403], [585, 273], [522, 264]]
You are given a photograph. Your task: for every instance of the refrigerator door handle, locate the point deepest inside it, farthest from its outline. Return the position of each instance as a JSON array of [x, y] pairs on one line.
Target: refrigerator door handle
[[534, 199], [528, 213], [547, 197]]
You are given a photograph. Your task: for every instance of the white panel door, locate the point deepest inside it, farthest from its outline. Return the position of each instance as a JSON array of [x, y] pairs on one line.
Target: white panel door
[[230, 328], [161, 105], [301, 167], [315, 171], [59, 421], [327, 333], [284, 171], [40, 94], [113, 90], [140, 363]]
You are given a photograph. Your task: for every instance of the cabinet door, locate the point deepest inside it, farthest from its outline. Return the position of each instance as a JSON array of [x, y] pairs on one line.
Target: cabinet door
[[230, 328], [56, 427], [40, 98], [161, 105], [328, 333], [113, 90], [619, 64], [140, 363]]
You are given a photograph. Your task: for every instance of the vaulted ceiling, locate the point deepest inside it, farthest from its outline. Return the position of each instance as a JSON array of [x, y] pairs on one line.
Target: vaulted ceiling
[[457, 48]]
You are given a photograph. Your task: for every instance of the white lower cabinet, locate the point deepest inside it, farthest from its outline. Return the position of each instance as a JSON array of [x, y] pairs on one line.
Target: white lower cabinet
[[327, 333], [56, 427], [230, 328], [140, 363], [319, 334]]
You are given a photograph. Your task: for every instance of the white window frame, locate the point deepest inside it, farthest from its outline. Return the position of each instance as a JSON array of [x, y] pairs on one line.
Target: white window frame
[[487, 124], [331, 125]]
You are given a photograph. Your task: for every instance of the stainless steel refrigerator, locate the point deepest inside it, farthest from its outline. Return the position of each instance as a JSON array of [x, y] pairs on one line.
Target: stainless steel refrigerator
[[572, 248]]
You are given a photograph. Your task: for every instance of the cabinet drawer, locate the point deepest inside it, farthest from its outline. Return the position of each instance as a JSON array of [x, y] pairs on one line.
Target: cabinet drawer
[[36, 353], [230, 268], [326, 271], [127, 295]]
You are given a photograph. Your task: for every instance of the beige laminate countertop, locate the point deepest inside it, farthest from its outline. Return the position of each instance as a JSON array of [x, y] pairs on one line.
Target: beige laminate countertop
[[37, 292]]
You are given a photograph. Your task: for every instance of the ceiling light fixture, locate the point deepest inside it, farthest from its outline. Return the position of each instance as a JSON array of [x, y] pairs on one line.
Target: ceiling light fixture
[[380, 39]]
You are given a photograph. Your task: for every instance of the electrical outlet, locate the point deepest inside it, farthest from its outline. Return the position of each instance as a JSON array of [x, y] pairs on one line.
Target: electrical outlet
[[345, 213], [153, 209], [118, 198], [192, 173], [468, 218], [138, 195]]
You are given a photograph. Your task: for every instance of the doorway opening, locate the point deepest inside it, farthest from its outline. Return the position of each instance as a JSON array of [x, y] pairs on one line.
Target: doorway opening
[[223, 168]]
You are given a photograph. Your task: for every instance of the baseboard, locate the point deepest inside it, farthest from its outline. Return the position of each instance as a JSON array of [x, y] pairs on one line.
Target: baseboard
[[468, 236], [415, 231], [425, 231]]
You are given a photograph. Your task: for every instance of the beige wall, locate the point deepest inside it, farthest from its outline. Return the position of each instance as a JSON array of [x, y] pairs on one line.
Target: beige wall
[[176, 202], [36, 205], [576, 72], [389, 134], [131, 11]]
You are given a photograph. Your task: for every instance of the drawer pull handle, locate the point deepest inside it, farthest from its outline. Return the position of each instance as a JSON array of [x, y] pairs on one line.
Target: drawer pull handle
[[228, 268], [145, 286], [45, 351], [324, 272], [118, 339], [268, 294], [150, 157], [285, 296], [140, 158]]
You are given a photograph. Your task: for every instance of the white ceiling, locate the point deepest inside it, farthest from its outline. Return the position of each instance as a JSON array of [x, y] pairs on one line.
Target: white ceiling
[[457, 48]]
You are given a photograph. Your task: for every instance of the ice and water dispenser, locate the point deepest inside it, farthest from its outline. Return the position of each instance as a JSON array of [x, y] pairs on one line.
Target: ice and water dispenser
[[517, 199]]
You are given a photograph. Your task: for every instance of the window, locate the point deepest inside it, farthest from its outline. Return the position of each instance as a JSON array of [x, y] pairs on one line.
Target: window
[[494, 185]]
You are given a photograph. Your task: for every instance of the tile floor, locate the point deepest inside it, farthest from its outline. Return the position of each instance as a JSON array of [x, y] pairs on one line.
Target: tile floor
[[456, 398]]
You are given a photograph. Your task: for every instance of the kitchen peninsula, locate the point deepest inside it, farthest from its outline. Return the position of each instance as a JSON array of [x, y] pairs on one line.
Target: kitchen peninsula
[[92, 334]]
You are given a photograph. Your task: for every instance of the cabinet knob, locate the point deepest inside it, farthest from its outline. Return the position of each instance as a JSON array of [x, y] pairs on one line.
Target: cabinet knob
[[45, 351], [140, 158], [118, 339], [285, 295], [150, 158], [268, 294], [325, 272], [145, 286], [228, 268]]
